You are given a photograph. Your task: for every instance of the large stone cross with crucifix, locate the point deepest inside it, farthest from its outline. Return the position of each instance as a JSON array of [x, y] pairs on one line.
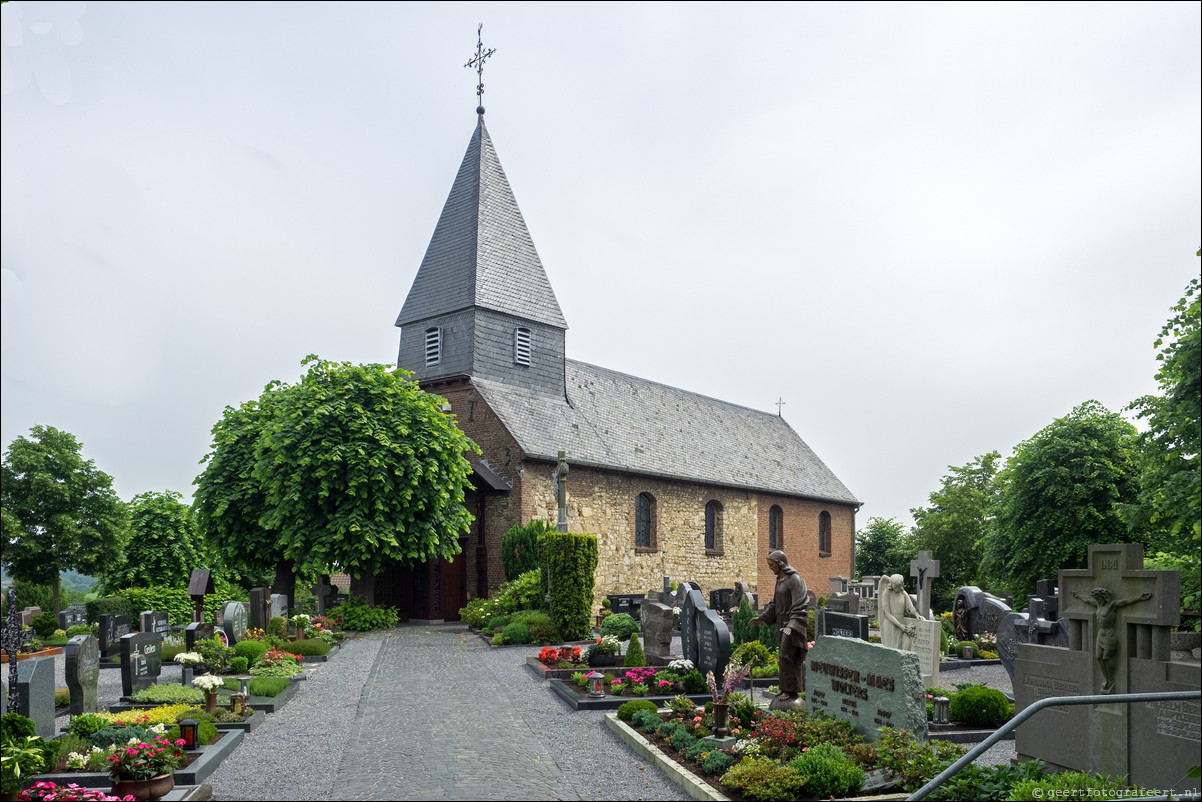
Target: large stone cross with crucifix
[[925, 569]]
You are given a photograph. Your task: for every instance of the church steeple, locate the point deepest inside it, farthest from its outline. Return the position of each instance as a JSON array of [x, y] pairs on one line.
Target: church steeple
[[481, 304]]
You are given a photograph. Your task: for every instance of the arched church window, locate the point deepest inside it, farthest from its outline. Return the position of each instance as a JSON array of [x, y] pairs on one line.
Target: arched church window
[[521, 346], [433, 346], [776, 528], [713, 526], [824, 534], [644, 521]]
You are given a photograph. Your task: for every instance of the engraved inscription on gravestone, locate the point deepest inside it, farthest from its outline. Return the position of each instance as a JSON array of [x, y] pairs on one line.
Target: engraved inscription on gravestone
[[141, 661], [156, 621], [82, 672], [870, 685], [690, 609], [713, 643], [234, 621], [842, 625], [112, 629]]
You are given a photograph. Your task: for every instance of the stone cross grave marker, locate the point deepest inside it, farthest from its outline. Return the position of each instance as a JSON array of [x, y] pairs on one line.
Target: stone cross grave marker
[[141, 661], [1119, 617], [841, 625], [35, 681], [200, 584], [713, 643], [690, 608], [112, 628], [260, 608], [156, 621], [1032, 626], [657, 632], [1047, 590], [196, 631], [234, 621], [868, 684], [82, 671], [279, 605], [924, 569]]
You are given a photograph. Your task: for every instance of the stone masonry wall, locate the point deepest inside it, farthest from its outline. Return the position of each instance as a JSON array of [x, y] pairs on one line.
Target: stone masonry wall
[[801, 542]]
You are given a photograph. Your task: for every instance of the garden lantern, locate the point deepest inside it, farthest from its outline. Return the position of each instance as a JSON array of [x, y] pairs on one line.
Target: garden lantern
[[245, 683], [596, 689], [187, 731], [967, 653], [237, 702], [941, 710]]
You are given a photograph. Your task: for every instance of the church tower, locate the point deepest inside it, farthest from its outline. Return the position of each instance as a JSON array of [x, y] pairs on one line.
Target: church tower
[[481, 305]]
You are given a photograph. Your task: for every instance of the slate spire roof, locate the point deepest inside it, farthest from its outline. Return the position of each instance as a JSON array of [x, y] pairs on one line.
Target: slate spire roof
[[481, 254]]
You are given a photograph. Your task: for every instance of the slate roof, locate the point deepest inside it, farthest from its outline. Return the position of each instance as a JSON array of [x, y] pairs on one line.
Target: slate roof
[[617, 421], [481, 253]]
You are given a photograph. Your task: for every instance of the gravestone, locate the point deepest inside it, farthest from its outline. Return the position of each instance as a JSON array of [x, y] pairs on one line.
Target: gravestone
[[742, 591], [926, 646], [35, 683], [112, 629], [156, 621], [868, 684], [260, 608], [924, 569], [846, 603], [657, 633], [28, 614], [841, 625], [1119, 620], [141, 661], [13, 640], [200, 584], [324, 592], [82, 655], [720, 599], [1047, 590], [713, 644], [838, 585], [73, 616], [234, 621], [983, 611], [1032, 626], [279, 605], [196, 631], [690, 608], [867, 593]]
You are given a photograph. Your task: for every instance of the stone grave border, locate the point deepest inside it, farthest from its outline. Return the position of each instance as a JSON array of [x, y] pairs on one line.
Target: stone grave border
[[50, 651], [692, 786], [564, 690], [210, 758], [546, 672], [320, 658]]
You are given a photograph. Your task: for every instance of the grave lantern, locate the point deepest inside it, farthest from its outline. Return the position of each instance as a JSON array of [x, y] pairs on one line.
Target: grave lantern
[[596, 688], [942, 704], [244, 682], [967, 653], [187, 731]]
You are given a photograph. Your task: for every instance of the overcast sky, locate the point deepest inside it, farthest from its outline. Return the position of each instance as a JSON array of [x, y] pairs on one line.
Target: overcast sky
[[930, 229]]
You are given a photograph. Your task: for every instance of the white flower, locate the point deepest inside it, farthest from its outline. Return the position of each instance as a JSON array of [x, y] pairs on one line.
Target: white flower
[[76, 760], [188, 658], [681, 665], [158, 729], [208, 683]]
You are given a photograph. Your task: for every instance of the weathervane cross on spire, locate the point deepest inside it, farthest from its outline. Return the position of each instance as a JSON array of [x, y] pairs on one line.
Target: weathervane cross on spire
[[478, 63]]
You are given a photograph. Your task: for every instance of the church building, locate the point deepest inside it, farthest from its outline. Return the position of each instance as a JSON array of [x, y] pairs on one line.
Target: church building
[[671, 482]]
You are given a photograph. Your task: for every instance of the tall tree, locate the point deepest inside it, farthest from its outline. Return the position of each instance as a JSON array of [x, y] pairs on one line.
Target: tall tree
[[1168, 511], [883, 547], [59, 510], [1060, 492], [163, 544], [954, 526]]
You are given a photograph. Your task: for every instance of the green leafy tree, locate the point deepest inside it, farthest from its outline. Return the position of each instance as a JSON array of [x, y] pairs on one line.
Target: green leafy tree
[[883, 547], [955, 524], [1168, 511], [163, 544], [1058, 493], [59, 510]]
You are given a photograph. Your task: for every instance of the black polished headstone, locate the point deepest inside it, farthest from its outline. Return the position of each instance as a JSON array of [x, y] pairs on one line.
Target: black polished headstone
[[260, 608], [842, 625], [73, 616], [156, 621], [234, 620], [196, 631], [713, 643], [141, 661], [690, 610], [720, 599], [112, 629], [82, 671]]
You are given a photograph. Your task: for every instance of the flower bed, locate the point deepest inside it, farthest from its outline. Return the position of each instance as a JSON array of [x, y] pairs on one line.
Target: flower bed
[[199, 765], [50, 652]]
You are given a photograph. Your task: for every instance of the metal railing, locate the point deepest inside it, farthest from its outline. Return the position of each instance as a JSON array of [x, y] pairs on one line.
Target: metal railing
[[1053, 701]]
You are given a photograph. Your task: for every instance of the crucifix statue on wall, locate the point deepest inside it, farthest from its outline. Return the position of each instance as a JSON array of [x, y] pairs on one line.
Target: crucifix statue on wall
[[559, 484]]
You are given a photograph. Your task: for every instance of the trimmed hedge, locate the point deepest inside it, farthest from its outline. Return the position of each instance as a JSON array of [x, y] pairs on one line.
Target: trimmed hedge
[[309, 647], [571, 561], [520, 550], [108, 605]]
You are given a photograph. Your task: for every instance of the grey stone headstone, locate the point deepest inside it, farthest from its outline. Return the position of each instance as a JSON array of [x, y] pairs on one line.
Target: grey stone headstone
[[82, 667], [141, 661], [657, 630], [868, 684], [260, 608], [196, 631], [35, 681], [713, 643], [279, 605], [838, 584], [112, 629], [156, 621], [1019, 628], [690, 609], [234, 620], [842, 625], [26, 617], [848, 603], [73, 616], [990, 614]]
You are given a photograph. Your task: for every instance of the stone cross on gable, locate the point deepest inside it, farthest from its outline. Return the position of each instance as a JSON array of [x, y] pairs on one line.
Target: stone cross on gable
[[925, 569], [1118, 610]]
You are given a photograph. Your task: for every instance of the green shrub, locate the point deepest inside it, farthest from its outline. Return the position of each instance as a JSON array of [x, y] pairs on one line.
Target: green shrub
[[111, 736], [496, 622], [644, 718], [84, 725], [498, 639], [252, 650], [765, 779], [943, 643], [358, 616], [44, 624], [960, 646], [979, 706], [740, 632], [538, 625], [15, 727], [196, 713], [716, 762], [205, 732], [620, 625], [1071, 785], [309, 647], [698, 750], [473, 613], [239, 665], [682, 740], [913, 762], [174, 601], [62, 697], [694, 682], [515, 634], [171, 694], [976, 783], [520, 550], [828, 772], [753, 652], [108, 605], [669, 728], [215, 655], [570, 561], [79, 629], [170, 650], [627, 710], [268, 686], [634, 652], [285, 668], [277, 627]]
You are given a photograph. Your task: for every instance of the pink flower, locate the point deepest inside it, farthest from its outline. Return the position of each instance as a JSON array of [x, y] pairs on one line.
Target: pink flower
[[130, 751], [180, 742]]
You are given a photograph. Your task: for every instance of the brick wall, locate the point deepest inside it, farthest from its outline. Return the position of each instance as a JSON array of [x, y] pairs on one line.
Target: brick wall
[[801, 542]]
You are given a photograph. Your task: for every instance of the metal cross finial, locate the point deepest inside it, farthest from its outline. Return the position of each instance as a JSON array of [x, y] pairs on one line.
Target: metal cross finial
[[478, 63], [780, 402]]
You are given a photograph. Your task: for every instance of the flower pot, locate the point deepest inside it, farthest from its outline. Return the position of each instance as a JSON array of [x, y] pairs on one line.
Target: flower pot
[[721, 718], [154, 788], [210, 703], [604, 660]]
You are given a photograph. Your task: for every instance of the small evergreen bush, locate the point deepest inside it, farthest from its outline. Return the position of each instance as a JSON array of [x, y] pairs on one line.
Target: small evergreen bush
[[627, 710], [267, 686], [252, 650], [538, 625], [620, 625], [669, 728], [277, 627], [694, 682], [359, 617], [111, 736], [78, 629], [569, 561], [682, 740], [497, 622], [44, 624], [828, 772], [515, 634], [205, 732], [239, 665], [764, 779], [170, 693], [15, 727], [644, 718], [634, 652], [961, 645], [215, 655], [716, 762], [979, 706], [83, 726], [698, 750], [520, 550]]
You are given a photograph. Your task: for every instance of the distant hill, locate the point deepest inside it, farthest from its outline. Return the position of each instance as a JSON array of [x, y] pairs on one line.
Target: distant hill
[[68, 579]]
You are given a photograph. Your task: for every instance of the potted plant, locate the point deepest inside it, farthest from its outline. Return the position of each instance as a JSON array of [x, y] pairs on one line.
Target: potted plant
[[732, 679], [146, 770], [209, 684], [605, 652], [189, 661]]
